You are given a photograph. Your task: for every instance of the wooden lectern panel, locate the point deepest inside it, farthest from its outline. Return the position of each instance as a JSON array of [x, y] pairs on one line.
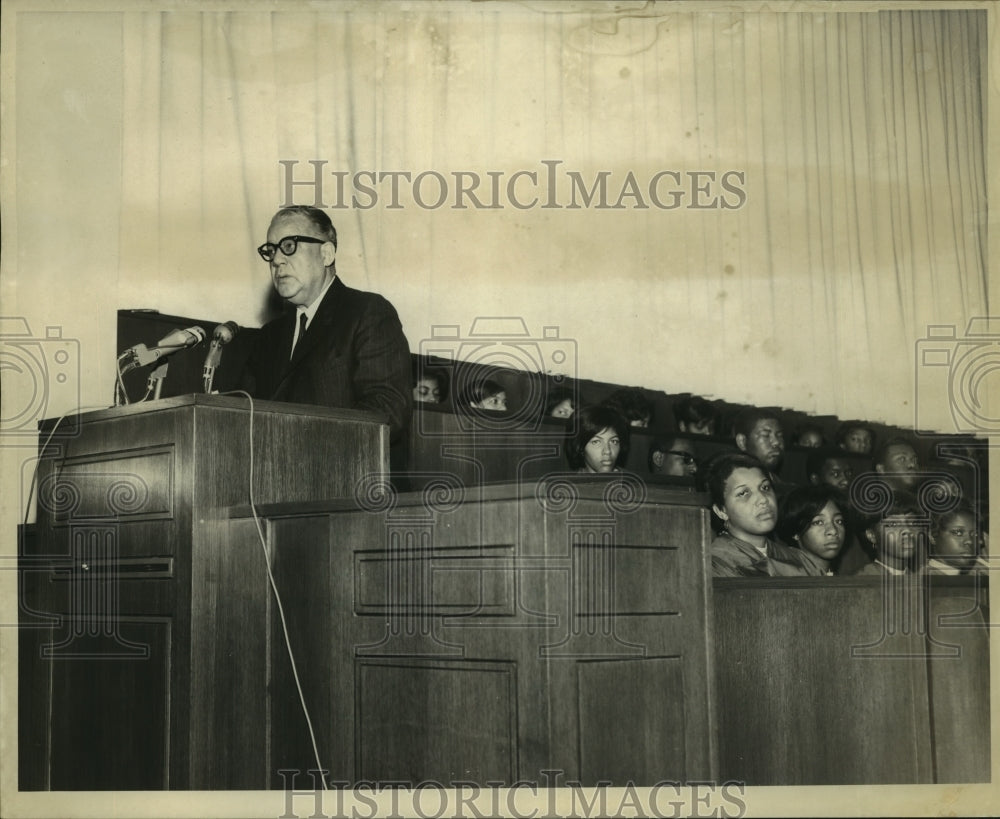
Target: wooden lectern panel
[[111, 692]]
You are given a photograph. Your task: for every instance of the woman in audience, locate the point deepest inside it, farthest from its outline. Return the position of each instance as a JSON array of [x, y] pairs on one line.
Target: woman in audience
[[600, 443], [632, 405], [812, 519], [484, 394], [743, 501], [560, 404], [954, 544], [430, 387]]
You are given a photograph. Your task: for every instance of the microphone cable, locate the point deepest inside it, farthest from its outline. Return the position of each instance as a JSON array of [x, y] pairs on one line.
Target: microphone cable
[[121, 394], [277, 597]]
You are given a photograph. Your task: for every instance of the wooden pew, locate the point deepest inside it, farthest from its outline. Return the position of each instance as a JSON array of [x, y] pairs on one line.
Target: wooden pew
[[477, 451], [826, 681]]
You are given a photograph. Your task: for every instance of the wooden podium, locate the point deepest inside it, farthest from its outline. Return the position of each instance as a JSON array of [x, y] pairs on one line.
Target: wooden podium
[[134, 663]]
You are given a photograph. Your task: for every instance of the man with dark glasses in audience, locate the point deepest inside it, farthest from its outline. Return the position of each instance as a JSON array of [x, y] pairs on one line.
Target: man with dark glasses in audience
[[335, 346], [674, 457]]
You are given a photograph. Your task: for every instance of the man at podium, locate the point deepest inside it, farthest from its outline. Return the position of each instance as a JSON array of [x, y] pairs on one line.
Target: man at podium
[[338, 347]]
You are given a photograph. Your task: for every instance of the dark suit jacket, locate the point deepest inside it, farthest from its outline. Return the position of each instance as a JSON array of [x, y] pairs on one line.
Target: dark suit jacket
[[354, 356]]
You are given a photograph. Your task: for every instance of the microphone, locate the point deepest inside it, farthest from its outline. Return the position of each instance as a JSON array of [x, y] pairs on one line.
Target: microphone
[[223, 334], [172, 342]]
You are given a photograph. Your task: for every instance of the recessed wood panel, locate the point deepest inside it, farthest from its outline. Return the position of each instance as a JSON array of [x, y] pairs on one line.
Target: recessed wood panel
[[455, 581], [647, 580], [441, 721], [111, 710], [631, 717], [125, 485], [644, 580]]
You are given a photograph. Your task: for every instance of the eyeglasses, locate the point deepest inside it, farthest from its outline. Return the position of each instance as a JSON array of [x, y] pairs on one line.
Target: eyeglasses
[[686, 457], [288, 246]]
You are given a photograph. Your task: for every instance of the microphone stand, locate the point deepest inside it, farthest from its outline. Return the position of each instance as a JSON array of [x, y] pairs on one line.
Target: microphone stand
[[207, 378], [156, 379]]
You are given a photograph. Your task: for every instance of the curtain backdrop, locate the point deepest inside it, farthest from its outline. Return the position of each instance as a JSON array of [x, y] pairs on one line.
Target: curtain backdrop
[[859, 138]]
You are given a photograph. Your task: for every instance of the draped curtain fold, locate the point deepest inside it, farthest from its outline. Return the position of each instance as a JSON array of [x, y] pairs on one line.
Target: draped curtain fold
[[860, 137]]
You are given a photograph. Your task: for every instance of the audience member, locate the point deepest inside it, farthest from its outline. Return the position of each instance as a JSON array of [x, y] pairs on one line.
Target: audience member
[[833, 468], [600, 442], [632, 405], [896, 461], [484, 394], [560, 403], [810, 436], [896, 538], [858, 439], [758, 433], [674, 457], [430, 386], [695, 416], [954, 544], [743, 500], [830, 467], [812, 518]]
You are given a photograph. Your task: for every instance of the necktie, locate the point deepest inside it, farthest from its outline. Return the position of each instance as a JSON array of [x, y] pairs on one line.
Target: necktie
[[302, 331]]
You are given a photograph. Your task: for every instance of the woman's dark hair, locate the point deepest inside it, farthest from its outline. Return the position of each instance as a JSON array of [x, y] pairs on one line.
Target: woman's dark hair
[[801, 505], [588, 422], [902, 504], [719, 469], [421, 372], [632, 404], [479, 390]]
